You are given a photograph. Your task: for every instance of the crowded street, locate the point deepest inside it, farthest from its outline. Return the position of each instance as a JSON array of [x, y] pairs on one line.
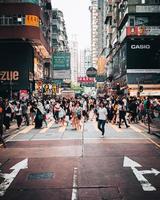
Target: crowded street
[[58, 162], [79, 100]]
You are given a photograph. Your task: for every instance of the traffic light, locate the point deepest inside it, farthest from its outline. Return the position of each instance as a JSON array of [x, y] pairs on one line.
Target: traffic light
[[141, 88]]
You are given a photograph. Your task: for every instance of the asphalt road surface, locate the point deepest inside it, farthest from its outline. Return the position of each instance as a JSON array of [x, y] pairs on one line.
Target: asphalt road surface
[[58, 163]]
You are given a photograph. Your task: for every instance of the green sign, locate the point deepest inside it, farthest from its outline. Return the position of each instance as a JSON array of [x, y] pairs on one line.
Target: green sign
[[61, 60]]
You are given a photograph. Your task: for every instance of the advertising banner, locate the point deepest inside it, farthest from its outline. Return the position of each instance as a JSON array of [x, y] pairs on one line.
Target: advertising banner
[[16, 65], [143, 54]]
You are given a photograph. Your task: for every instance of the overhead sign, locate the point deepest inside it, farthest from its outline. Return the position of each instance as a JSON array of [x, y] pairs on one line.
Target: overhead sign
[[91, 72], [9, 177], [61, 60], [146, 186]]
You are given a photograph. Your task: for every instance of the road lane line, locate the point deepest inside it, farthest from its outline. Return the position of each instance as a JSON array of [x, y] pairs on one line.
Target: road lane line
[[75, 184], [135, 128], [115, 128], [152, 141], [45, 129], [27, 129]]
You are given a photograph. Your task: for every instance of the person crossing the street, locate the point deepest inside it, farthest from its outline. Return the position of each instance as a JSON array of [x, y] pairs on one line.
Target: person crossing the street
[[102, 117]]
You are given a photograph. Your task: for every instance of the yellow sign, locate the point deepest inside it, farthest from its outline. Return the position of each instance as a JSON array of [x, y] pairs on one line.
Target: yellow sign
[[31, 20], [101, 65]]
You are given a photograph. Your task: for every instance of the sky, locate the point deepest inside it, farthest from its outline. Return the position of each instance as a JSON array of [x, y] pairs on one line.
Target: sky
[[77, 19]]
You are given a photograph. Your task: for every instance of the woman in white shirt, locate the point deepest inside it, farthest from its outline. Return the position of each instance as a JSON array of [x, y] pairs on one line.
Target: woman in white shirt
[[102, 117]]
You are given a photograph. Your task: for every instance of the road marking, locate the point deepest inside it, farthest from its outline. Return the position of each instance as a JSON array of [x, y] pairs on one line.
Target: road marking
[[62, 129], [27, 129], [115, 128], [146, 186], [95, 125], [75, 184], [11, 137], [152, 141], [45, 129], [135, 129], [8, 178]]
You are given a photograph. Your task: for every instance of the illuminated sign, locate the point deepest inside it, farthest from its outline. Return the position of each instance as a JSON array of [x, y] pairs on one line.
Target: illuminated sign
[[31, 20], [9, 75]]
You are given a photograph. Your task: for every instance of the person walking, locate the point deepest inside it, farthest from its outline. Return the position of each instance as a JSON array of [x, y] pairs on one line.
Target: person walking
[[18, 114], [122, 113], [102, 117], [8, 113], [39, 115]]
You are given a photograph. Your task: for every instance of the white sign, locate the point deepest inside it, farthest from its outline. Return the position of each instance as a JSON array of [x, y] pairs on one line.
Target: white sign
[[8, 178], [148, 8], [146, 186], [140, 46], [62, 74]]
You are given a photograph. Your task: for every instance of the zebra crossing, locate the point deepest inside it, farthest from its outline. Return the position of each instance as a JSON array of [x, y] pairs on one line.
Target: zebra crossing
[[89, 131]]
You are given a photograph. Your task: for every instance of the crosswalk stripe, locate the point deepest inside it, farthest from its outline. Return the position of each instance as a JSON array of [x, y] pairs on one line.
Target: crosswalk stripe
[[46, 129], [135, 129], [27, 129], [115, 128]]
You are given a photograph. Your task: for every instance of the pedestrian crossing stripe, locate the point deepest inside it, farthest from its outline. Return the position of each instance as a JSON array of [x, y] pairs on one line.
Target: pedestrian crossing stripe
[[116, 128], [27, 129], [46, 129], [135, 129]]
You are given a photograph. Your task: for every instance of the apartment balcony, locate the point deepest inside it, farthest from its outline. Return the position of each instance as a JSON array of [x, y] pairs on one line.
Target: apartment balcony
[[140, 31]]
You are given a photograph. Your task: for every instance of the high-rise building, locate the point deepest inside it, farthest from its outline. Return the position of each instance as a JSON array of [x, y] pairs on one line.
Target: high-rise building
[[134, 46], [98, 31], [73, 46], [59, 34], [24, 45], [84, 62], [94, 31], [61, 54]]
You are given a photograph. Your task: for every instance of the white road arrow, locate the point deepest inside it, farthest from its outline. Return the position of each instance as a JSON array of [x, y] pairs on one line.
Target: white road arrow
[[10, 177], [139, 174]]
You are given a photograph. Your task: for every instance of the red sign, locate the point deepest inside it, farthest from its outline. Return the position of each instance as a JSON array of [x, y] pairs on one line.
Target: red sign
[[23, 94], [135, 30], [86, 80]]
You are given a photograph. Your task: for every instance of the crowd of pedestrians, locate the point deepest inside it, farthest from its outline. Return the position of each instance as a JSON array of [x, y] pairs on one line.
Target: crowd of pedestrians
[[71, 112]]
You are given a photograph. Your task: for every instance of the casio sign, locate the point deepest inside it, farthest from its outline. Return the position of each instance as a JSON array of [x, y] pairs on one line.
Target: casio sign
[[140, 46]]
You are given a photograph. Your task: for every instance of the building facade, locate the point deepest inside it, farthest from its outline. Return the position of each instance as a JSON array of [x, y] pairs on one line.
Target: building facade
[[98, 30], [94, 31], [133, 56], [61, 54], [24, 45], [73, 46], [84, 62]]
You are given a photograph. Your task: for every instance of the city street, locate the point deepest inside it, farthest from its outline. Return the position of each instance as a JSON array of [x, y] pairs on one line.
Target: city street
[[63, 164]]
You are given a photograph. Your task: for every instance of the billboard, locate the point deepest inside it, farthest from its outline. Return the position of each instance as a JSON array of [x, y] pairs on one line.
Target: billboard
[[143, 53], [61, 60], [16, 65]]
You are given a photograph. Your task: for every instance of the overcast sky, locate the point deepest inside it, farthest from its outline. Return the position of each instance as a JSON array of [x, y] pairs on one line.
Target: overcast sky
[[77, 19]]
